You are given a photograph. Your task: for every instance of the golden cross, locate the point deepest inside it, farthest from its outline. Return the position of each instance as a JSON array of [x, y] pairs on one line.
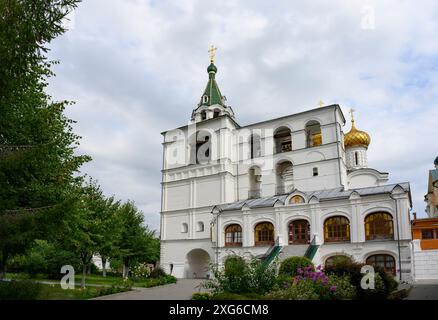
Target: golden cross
[[351, 113], [211, 52], [321, 103]]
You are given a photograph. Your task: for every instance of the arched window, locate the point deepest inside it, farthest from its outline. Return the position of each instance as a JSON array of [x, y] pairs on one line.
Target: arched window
[[200, 227], [203, 146], [384, 261], [216, 113], [313, 134], [233, 236], [379, 226], [315, 171], [336, 229], [203, 115], [299, 232], [264, 234], [296, 199], [356, 158], [339, 259], [184, 227], [282, 140], [255, 146]]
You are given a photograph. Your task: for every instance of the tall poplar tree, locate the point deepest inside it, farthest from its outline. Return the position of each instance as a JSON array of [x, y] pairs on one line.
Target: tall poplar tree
[[37, 143]]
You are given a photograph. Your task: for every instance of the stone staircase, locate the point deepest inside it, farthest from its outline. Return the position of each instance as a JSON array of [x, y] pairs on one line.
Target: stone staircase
[[293, 250]]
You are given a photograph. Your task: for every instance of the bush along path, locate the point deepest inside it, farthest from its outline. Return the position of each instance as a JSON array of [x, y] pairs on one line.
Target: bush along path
[[15, 287], [297, 279]]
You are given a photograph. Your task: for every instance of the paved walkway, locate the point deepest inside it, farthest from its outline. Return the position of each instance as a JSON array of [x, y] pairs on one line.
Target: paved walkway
[[424, 290], [182, 290]]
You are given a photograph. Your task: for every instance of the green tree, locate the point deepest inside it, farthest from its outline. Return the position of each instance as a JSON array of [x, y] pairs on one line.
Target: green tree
[[82, 228], [110, 229], [137, 243], [37, 143]]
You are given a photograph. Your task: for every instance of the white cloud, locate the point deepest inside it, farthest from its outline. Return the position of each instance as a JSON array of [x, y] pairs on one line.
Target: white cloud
[[137, 68]]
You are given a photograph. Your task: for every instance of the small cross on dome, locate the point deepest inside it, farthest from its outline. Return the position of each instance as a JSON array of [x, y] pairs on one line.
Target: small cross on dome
[[352, 114], [211, 52]]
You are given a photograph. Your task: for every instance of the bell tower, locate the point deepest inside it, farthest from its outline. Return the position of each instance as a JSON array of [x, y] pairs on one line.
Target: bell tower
[[212, 103]]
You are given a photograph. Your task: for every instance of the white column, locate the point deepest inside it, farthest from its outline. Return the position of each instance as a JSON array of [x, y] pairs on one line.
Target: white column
[[356, 224], [278, 227], [246, 230]]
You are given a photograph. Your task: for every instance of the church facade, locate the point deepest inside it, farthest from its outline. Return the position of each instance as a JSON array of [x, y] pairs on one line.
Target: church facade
[[297, 183]]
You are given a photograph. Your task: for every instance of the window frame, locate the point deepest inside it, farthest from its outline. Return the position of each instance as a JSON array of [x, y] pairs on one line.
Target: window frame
[[373, 225], [235, 235], [344, 235], [386, 257], [264, 234]]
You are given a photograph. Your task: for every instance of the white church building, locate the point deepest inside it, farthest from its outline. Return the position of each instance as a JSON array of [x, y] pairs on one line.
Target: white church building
[[297, 183]]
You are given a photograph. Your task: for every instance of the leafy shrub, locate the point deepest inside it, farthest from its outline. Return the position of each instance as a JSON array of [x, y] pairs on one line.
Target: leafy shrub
[[201, 296], [235, 276], [124, 283], [19, 290], [283, 281], [238, 276], [314, 285], [344, 289], [153, 282], [157, 273], [290, 265], [384, 282], [44, 258], [261, 279], [104, 291], [141, 271], [235, 296], [303, 290], [379, 291], [340, 260]]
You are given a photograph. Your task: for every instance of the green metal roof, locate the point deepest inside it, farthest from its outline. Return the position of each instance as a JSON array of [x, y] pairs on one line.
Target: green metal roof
[[212, 93]]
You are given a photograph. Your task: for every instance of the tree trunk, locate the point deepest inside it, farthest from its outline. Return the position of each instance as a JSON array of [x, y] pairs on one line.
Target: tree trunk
[[89, 269], [84, 270], [125, 270], [103, 266], [3, 264]]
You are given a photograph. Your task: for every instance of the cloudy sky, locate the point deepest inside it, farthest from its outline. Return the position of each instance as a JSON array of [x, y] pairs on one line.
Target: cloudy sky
[[136, 68]]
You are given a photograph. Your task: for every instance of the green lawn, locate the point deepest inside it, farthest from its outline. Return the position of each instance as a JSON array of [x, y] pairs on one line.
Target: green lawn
[[26, 290], [100, 280]]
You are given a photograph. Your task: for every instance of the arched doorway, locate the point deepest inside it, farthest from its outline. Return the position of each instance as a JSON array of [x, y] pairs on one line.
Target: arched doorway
[[197, 266], [299, 232]]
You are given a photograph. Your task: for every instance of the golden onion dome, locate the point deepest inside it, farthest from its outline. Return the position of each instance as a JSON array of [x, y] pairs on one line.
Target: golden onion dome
[[356, 138]]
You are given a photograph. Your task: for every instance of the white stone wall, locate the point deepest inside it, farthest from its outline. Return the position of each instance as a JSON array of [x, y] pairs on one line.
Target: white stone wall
[[189, 191], [362, 160], [424, 262]]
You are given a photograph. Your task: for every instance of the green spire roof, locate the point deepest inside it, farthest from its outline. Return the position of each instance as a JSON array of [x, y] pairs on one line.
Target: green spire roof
[[212, 94]]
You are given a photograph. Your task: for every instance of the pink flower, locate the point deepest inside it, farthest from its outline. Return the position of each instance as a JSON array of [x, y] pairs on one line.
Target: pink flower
[[333, 288]]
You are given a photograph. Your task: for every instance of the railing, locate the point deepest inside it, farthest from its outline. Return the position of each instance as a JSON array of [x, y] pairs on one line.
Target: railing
[[272, 252], [311, 249]]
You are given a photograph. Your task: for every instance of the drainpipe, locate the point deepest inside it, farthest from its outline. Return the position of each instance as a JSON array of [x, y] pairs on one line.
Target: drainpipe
[[398, 236], [217, 239]]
